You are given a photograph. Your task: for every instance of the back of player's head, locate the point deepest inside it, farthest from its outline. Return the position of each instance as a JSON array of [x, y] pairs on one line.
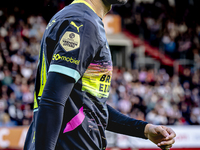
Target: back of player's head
[[116, 1]]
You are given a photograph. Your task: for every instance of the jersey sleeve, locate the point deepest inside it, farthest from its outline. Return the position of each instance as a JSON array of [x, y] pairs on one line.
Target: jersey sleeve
[[76, 48], [120, 123]]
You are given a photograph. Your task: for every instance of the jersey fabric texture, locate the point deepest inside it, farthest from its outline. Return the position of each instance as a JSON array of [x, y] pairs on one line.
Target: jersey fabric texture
[[74, 44]]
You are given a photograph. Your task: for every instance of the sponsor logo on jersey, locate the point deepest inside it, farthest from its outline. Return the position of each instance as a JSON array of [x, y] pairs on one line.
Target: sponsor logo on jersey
[[77, 27], [70, 41], [97, 79], [67, 59]]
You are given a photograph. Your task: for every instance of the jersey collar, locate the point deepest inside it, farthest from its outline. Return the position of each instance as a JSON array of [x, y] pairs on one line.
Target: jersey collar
[[82, 1]]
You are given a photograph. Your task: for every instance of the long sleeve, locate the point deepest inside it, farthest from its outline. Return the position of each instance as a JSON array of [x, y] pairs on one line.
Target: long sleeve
[[123, 124], [50, 114]]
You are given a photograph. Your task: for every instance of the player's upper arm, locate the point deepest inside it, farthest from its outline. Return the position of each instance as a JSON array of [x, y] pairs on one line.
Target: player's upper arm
[[76, 48]]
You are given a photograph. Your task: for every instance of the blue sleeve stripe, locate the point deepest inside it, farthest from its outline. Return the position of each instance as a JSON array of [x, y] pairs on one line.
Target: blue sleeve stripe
[[35, 110], [66, 71]]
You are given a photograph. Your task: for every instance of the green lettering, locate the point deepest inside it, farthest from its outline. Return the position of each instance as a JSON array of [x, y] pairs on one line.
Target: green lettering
[[57, 57], [54, 56], [67, 59], [71, 60]]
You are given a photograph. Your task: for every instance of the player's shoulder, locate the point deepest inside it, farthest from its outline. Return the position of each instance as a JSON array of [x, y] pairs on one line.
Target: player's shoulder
[[80, 17], [81, 13]]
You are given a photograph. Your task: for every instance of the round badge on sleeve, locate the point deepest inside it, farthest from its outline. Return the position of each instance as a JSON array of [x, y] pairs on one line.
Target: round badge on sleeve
[[70, 41]]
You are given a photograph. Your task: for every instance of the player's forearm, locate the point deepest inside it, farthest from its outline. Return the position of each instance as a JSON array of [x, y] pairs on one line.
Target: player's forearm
[[51, 109], [123, 124], [48, 125]]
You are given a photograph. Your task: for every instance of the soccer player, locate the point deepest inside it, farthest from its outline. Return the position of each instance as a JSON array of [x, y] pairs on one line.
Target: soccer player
[[72, 85]]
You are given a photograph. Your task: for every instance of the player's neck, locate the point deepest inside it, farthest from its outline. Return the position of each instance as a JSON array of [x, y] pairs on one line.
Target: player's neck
[[101, 8]]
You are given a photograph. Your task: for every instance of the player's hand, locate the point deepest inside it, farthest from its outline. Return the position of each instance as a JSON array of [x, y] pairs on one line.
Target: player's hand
[[162, 136]]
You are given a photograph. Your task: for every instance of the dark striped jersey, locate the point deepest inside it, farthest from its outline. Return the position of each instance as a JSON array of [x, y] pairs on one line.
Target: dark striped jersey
[[75, 44]]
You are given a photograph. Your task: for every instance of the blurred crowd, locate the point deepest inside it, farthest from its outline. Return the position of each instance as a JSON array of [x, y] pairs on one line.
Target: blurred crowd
[[19, 49], [156, 97], [173, 27], [146, 94]]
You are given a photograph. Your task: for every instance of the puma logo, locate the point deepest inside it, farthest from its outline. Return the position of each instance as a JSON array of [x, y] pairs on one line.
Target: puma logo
[[77, 27]]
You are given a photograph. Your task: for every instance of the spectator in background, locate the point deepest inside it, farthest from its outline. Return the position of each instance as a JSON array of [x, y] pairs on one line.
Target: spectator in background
[[166, 99], [5, 121]]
